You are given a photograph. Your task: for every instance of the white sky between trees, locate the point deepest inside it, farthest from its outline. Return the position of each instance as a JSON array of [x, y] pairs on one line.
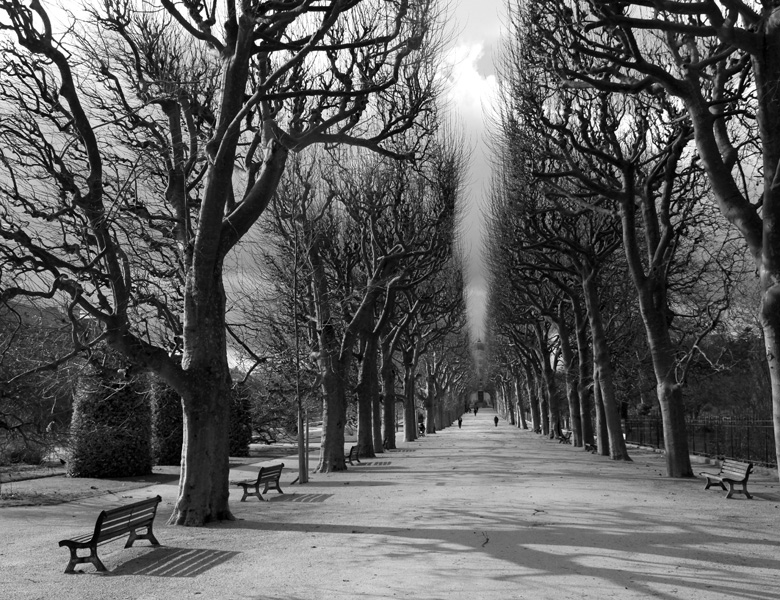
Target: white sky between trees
[[476, 31], [472, 96]]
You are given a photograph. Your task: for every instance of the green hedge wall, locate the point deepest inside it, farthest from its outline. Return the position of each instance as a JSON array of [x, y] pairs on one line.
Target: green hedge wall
[[167, 423], [240, 420], [111, 425]]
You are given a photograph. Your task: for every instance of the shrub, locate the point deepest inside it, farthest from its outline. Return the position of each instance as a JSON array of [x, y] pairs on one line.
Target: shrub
[[240, 420], [167, 423], [111, 426], [18, 451]]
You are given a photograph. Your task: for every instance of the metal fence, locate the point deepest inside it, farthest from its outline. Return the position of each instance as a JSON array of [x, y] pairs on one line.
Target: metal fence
[[742, 439]]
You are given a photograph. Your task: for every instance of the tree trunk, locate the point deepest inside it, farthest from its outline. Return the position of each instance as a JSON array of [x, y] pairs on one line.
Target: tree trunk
[[203, 483], [602, 434], [376, 420], [544, 403], [583, 378], [533, 404], [410, 405], [571, 383], [520, 405], [366, 388], [770, 320], [551, 425], [388, 389], [511, 405], [670, 400], [334, 418], [766, 65], [601, 360], [333, 370]]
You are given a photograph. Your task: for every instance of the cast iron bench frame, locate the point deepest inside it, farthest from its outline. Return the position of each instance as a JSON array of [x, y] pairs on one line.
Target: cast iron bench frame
[[353, 455], [112, 524], [732, 472], [565, 437], [266, 475]]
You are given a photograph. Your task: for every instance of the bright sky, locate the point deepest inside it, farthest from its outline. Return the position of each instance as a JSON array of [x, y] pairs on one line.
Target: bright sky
[[473, 90]]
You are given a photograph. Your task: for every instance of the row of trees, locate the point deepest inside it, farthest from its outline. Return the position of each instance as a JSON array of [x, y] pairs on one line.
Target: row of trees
[[638, 155], [141, 143]]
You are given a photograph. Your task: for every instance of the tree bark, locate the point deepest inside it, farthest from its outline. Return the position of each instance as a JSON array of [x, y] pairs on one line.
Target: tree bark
[[520, 405], [388, 389], [203, 483], [366, 388], [602, 433], [533, 403], [583, 378], [410, 412], [601, 359], [571, 382]]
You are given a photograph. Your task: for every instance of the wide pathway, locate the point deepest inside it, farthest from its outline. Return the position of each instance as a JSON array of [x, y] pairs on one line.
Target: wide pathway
[[478, 513]]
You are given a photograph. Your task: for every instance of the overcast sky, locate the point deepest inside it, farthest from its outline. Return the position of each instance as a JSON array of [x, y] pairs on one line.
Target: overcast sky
[[478, 26]]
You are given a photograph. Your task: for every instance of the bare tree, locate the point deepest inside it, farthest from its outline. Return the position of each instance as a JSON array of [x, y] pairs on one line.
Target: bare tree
[[201, 166], [712, 58]]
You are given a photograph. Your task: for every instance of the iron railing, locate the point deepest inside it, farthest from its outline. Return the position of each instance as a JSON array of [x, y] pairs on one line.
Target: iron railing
[[741, 439]]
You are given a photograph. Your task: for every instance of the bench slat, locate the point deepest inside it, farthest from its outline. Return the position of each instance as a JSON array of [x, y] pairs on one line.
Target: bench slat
[[110, 525], [733, 473], [268, 476]]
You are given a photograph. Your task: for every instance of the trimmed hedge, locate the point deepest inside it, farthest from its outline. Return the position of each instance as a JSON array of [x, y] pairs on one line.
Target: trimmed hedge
[[167, 423], [111, 425], [240, 420]]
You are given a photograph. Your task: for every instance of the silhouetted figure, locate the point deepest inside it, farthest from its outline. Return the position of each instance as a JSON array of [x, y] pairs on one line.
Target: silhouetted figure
[[476, 408], [495, 420], [460, 422]]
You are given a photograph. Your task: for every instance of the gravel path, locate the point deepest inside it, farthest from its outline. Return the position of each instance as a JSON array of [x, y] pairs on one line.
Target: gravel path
[[481, 512]]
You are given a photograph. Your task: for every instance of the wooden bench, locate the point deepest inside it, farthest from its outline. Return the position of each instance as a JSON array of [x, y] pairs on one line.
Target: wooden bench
[[353, 455], [731, 472], [565, 437], [112, 524], [268, 476]]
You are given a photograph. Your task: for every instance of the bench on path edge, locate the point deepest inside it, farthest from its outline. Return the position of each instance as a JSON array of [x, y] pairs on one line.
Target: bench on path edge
[[565, 437], [353, 455], [112, 524], [732, 472], [268, 476]]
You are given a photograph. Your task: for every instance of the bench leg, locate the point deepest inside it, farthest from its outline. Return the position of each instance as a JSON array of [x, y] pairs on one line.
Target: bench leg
[[149, 535], [731, 490], [273, 485], [75, 559], [744, 491], [247, 493], [710, 482]]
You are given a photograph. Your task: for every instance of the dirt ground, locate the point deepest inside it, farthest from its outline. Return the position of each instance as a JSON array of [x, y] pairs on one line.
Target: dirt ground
[[481, 512], [47, 484]]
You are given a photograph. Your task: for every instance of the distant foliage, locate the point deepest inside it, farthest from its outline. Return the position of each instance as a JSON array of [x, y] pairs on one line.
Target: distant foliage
[[34, 408], [111, 426], [240, 420], [167, 423]]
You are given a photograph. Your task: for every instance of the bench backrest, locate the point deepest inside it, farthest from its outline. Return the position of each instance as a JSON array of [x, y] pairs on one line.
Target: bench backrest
[[270, 473], [118, 521], [735, 469]]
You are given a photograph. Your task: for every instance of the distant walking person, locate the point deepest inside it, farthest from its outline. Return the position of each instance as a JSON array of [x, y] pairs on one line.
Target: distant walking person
[[495, 420], [476, 408], [460, 422]]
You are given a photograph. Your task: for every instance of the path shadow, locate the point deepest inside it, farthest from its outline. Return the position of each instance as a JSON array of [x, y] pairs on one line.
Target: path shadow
[[304, 498], [650, 557], [175, 562]]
